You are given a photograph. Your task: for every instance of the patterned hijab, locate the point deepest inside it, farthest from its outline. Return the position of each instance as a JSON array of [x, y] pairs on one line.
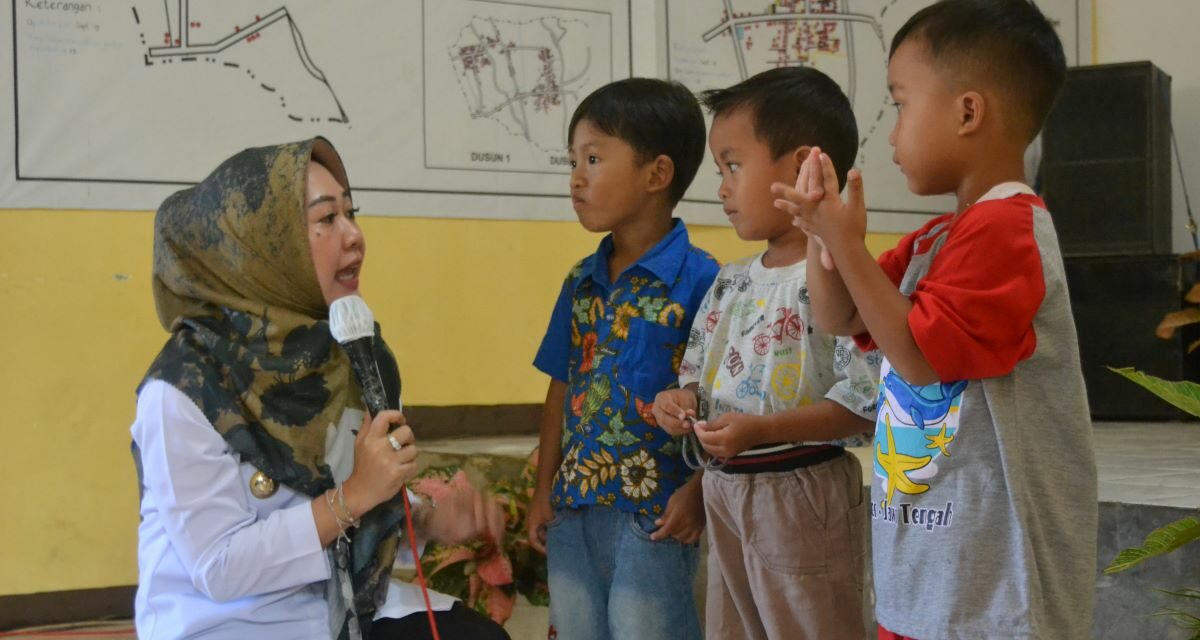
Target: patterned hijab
[[235, 285]]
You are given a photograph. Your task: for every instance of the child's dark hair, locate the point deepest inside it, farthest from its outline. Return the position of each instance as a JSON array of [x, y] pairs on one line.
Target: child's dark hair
[[793, 107], [655, 117], [1009, 42]]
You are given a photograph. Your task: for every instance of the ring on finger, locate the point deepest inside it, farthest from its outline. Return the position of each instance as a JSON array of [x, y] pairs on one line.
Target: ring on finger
[[396, 446]]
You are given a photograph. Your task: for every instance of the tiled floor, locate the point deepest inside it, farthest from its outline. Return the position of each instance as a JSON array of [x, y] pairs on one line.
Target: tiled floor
[[119, 630], [1149, 463], [1139, 463], [1156, 463]]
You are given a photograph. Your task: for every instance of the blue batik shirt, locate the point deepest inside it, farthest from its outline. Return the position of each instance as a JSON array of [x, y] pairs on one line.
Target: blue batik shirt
[[616, 345]]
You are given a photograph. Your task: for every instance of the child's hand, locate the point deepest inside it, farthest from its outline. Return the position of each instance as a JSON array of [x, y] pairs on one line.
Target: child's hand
[[672, 408], [818, 209], [539, 514], [683, 519], [729, 434], [826, 259]]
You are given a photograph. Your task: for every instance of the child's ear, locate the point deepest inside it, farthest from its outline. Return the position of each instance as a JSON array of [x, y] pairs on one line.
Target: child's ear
[[971, 109], [799, 156], [661, 172]]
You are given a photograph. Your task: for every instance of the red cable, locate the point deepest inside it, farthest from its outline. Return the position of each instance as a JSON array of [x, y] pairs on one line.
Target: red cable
[[412, 541]]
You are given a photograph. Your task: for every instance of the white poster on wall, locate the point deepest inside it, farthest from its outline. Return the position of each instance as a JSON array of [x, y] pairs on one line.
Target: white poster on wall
[[717, 43], [439, 107]]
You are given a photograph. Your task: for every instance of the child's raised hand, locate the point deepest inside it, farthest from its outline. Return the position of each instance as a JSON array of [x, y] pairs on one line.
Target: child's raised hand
[[826, 259], [674, 410], [818, 209], [802, 199]]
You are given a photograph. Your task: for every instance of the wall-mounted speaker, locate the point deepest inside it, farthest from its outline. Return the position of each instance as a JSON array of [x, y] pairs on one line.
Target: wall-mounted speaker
[[1106, 163]]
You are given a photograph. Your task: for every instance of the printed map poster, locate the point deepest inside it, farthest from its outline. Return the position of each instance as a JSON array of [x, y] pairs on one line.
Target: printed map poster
[[717, 43], [439, 107]]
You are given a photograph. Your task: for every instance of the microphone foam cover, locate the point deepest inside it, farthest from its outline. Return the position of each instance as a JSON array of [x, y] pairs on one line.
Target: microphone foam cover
[[350, 319]]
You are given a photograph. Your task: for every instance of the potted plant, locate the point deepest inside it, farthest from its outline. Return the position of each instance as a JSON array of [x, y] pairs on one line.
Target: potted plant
[[1186, 396], [486, 576]]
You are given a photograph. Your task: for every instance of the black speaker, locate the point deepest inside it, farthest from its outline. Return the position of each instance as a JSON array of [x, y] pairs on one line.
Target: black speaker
[[1106, 161], [1118, 302]]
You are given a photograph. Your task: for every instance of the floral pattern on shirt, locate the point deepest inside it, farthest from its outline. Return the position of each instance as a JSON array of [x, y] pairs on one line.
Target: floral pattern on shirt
[[626, 343]]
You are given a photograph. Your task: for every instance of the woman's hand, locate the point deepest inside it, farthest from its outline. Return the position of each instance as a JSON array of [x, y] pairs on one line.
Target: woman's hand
[[466, 515], [380, 470]]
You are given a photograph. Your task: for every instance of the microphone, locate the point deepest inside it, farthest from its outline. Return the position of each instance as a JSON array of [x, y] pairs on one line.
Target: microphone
[[353, 326]]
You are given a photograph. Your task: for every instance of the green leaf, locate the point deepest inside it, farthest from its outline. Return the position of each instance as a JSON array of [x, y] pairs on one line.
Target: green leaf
[[537, 597], [580, 309], [597, 394], [1193, 594], [1160, 541], [1183, 394], [1182, 619], [616, 423], [651, 307], [615, 434], [452, 580]]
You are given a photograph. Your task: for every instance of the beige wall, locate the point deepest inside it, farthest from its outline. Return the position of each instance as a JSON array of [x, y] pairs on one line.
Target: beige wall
[[463, 304]]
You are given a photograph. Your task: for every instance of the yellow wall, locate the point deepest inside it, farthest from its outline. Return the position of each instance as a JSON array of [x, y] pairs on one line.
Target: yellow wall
[[462, 302]]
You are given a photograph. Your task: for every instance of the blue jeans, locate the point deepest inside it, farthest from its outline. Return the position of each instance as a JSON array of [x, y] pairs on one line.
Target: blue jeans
[[609, 581]]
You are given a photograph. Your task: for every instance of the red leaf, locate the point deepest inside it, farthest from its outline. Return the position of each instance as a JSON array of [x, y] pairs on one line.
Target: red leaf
[[496, 570], [1193, 294], [435, 488], [500, 605], [1175, 319], [456, 554]]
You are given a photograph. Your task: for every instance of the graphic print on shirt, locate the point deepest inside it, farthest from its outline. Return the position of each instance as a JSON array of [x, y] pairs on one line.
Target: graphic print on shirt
[[788, 324], [753, 385], [916, 429]]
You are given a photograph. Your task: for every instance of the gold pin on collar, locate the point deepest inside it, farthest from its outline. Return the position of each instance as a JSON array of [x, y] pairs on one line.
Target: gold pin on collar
[[262, 486]]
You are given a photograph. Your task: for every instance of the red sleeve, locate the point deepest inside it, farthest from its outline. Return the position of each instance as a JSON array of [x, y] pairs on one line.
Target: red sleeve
[[894, 263], [972, 314]]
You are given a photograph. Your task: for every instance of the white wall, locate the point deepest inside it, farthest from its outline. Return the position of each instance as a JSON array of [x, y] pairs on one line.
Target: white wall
[[1167, 33]]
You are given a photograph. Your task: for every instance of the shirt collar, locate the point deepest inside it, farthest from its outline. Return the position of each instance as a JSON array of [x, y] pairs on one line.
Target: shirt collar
[[1006, 190], [664, 259]]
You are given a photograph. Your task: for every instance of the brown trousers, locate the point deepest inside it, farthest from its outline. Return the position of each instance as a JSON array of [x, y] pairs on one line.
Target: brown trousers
[[785, 554]]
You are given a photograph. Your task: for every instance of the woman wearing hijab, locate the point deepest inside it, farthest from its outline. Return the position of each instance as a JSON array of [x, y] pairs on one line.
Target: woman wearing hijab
[[271, 503]]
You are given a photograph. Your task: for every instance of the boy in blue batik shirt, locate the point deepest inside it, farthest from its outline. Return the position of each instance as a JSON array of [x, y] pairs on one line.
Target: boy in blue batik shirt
[[615, 506]]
